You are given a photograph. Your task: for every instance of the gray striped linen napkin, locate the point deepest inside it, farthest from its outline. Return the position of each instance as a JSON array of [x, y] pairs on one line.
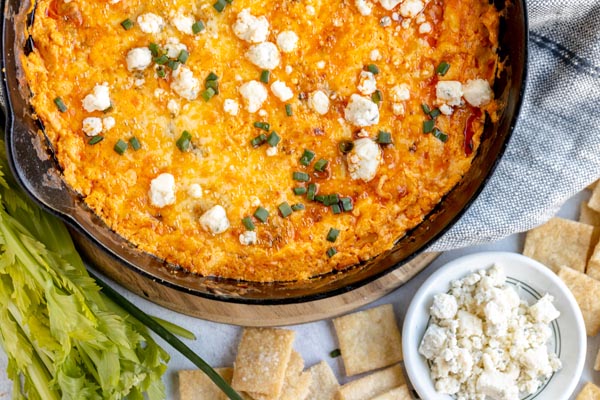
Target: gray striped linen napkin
[[555, 150]]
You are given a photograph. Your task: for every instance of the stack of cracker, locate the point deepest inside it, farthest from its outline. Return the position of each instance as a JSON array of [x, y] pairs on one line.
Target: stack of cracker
[[572, 250], [267, 367]]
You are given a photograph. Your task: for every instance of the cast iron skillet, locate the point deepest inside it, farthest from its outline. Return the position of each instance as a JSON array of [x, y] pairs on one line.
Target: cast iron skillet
[[35, 168]]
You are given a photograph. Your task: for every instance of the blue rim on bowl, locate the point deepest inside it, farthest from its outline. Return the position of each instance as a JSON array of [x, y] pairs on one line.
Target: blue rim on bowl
[[532, 280]]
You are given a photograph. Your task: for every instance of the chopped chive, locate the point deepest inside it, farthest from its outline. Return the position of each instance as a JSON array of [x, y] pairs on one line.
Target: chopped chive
[[298, 207], [285, 209], [321, 165], [331, 252], [273, 139], [337, 352], [247, 221], [300, 190], [443, 68], [173, 65], [60, 104], [372, 68], [300, 176], [333, 234], [428, 126], [440, 135], [120, 146], [307, 157], [425, 108], [435, 113], [96, 139], [135, 143], [336, 209], [288, 110], [311, 191], [214, 85], [160, 72], [184, 141], [261, 214], [331, 199], [162, 60], [220, 5], [212, 77], [265, 126], [259, 140], [265, 75], [127, 24], [183, 56], [208, 94], [384, 137], [377, 97], [321, 198], [154, 49], [346, 146], [198, 27], [346, 203]]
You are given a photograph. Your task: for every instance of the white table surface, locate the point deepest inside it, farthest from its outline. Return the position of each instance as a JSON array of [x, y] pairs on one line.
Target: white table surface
[[216, 343]]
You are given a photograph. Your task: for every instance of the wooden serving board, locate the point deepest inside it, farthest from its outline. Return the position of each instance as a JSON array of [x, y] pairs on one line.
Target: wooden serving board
[[257, 315]]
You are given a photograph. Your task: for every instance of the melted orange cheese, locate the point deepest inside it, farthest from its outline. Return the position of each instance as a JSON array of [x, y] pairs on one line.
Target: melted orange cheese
[[81, 44]]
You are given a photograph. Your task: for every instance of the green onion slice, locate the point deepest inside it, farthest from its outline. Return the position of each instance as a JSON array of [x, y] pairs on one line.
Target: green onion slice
[[285, 209], [265, 75], [273, 139], [259, 140], [337, 352], [443, 68], [198, 27], [428, 126], [331, 252], [336, 209], [208, 94], [127, 24], [60, 104], [162, 60], [333, 234], [265, 126], [120, 146], [183, 56], [135, 143], [425, 108], [312, 190], [154, 49], [300, 190], [346, 203], [288, 110], [247, 221], [384, 137], [440, 135], [298, 207], [307, 157], [377, 97], [261, 214], [321, 165], [212, 77], [220, 5], [185, 140], [300, 176], [372, 68], [96, 139], [435, 113]]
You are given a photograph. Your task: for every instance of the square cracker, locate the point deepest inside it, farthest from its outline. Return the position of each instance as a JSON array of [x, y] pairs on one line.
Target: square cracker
[[587, 292], [592, 185], [369, 339], [594, 201], [589, 392], [373, 385], [262, 359], [195, 385], [399, 393], [324, 384], [295, 384], [560, 242], [587, 215], [593, 266]]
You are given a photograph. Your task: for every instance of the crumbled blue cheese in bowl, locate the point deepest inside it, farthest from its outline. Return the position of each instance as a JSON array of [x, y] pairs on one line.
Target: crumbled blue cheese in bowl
[[484, 342]]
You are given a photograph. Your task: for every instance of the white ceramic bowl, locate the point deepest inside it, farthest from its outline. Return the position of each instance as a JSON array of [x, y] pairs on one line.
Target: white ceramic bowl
[[532, 280]]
